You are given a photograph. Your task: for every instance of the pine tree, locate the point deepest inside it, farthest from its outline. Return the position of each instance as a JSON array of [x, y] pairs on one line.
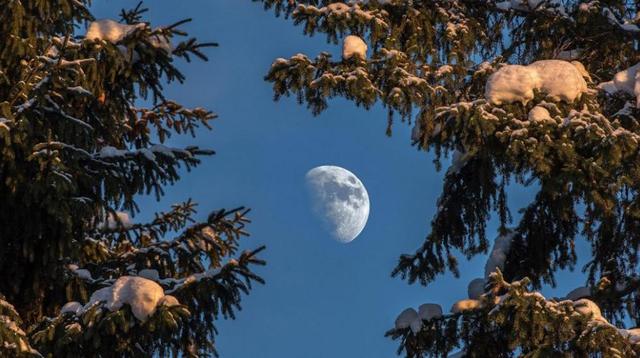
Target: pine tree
[[83, 119], [540, 94]]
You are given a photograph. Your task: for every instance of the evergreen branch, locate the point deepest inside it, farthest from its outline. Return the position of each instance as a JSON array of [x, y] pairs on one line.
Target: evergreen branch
[[134, 15]]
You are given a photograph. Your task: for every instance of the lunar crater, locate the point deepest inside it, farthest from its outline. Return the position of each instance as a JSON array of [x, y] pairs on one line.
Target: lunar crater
[[340, 200]]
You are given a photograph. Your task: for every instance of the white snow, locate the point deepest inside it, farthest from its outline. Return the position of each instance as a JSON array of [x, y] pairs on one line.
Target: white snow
[[475, 288], [73, 327], [626, 25], [169, 301], [551, 6], [512, 83], [627, 81], [141, 294], [443, 70], [354, 46], [560, 80], [428, 311], [588, 308], [633, 335], [11, 324], [416, 326], [73, 307], [464, 305], [498, 254], [110, 30], [209, 233], [582, 306], [578, 293], [339, 8], [161, 42], [80, 90], [112, 223], [405, 318], [111, 152], [129, 54], [539, 114], [7, 306], [163, 150], [609, 87], [458, 161], [149, 274], [415, 131], [409, 318], [583, 71], [24, 347], [196, 277], [209, 236], [83, 274]]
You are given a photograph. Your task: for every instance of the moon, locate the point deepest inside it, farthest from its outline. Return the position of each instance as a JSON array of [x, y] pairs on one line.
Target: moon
[[340, 200]]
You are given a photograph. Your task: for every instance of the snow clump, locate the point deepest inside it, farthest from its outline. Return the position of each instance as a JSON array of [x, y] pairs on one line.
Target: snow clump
[[149, 274], [578, 293], [512, 83], [168, 301], [354, 46], [465, 305], [114, 221], [141, 294], [588, 308], [498, 254], [627, 81], [409, 318], [539, 114], [560, 80], [110, 30], [71, 307], [476, 288], [428, 311]]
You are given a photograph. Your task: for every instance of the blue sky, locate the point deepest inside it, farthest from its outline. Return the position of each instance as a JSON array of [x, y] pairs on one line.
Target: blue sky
[[322, 299]]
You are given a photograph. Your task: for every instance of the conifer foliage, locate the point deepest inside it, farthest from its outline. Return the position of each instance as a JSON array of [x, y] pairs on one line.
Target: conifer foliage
[[533, 93], [83, 119]]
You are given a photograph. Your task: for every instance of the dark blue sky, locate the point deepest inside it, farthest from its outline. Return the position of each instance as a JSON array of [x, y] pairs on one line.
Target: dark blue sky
[[322, 299]]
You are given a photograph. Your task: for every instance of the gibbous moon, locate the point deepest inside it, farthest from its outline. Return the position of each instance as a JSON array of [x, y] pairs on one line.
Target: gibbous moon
[[340, 200]]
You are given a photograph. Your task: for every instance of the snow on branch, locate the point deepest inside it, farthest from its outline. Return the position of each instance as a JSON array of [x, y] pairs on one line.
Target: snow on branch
[[141, 294], [554, 7], [111, 31], [115, 221], [347, 13], [569, 12], [626, 81], [508, 306], [560, 80], [13, 340], [59, 111], [492, 299], [354, 46], [624, 25], [144, 250]]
